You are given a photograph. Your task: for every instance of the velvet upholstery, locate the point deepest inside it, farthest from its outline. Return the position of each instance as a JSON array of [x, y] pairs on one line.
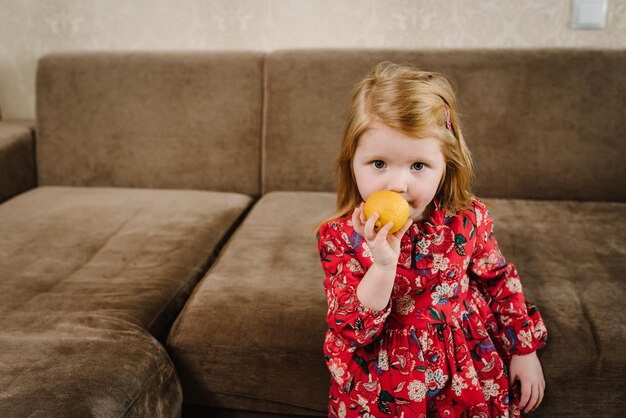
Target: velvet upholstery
[[533, 119], [570, 256], [251, 333], [91, 281], [142, 249], [147, 119], [84, 365]]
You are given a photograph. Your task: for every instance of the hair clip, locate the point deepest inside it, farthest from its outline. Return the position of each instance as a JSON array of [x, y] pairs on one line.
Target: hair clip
[[448, 123]]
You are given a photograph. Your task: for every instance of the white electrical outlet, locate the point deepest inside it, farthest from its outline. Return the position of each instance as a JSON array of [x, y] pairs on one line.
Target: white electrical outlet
[[589, 14]]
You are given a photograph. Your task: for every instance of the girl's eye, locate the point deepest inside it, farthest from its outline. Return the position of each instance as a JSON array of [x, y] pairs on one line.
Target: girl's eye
[[418, 166], [379, 164]]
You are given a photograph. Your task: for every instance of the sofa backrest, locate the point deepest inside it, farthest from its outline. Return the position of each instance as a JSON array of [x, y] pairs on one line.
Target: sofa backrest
[[189, 120], [541, 123]]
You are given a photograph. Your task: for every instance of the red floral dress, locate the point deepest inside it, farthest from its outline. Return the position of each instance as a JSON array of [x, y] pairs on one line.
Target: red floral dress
[[442, 346]]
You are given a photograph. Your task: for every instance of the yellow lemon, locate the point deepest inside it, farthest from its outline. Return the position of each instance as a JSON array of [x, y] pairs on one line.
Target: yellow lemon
[[391, 207]]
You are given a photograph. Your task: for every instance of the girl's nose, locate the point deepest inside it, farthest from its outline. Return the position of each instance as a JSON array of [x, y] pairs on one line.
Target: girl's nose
[[398, 184]]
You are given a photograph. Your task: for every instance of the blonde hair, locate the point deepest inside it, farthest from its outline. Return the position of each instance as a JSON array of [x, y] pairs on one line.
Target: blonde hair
[[417, 103]]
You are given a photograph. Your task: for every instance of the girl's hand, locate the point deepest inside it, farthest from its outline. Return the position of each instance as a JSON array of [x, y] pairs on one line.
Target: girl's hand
[[385, 247], [528, 369]]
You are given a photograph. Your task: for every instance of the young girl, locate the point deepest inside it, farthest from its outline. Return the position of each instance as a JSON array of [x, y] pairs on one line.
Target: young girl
[[429, 321]]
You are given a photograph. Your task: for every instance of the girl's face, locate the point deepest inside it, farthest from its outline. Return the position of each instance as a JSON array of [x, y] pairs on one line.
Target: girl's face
[[387, 159]]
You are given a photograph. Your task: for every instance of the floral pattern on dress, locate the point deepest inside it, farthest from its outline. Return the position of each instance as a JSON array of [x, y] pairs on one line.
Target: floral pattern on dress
[[442, 345]]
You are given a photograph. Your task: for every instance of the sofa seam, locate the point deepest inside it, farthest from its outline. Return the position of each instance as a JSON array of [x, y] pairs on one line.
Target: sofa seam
[[264, 112], [200, 272], [208, 263], [213, 259]]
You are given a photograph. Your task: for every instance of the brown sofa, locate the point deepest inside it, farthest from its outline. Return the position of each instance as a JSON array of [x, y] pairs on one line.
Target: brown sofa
[[157, 256]]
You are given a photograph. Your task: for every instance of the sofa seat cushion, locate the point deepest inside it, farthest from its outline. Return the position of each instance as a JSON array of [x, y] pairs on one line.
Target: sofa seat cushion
[[571, 257], [91, 280], [131, 254], [77, 364], [251, 334]]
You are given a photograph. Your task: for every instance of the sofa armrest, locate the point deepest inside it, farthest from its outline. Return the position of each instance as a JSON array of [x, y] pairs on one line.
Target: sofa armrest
[[17, 157]]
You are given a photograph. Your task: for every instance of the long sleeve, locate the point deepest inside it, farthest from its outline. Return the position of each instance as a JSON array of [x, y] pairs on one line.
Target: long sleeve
[[520, 327], [347, 318]]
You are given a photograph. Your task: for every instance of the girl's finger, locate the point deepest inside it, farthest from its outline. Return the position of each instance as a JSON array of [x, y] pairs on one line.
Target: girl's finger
[[361, 213], [382, 232], [534, 394], [369, 226], [542, 387], [356, 222], [525, 396]]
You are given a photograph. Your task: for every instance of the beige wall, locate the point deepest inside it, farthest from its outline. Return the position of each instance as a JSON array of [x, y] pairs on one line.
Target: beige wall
[[32, 28]]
